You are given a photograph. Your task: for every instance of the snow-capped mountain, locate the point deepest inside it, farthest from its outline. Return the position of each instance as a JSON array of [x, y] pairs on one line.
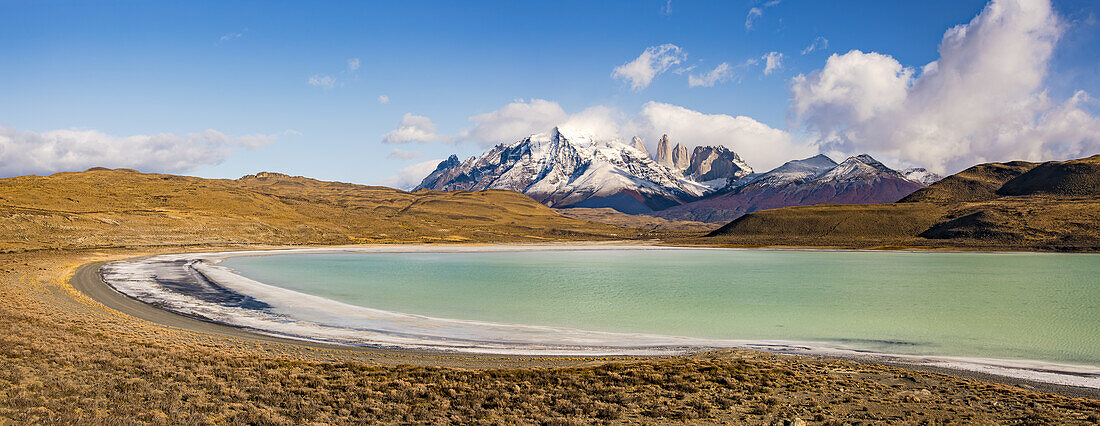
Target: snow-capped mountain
[[567, 168], [921, 175], [794, 171], [857, 180]]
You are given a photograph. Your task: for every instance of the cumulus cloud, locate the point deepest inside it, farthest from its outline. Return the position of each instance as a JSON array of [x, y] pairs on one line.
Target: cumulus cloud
[[762, 146], [852, 87], [723, 72], [819, 43], [318, 80], [413, 128], [400, 154], [982, 100], [772, 61], [26, 152], [599, 121], [652, 62], [353, 64], [514, 121], [383, 99], [411, 176]]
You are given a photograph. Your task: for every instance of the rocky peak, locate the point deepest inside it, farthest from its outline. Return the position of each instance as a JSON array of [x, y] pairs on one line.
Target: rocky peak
[[674, 157], [441, 171], [664, 152], [680, 158], [637, 143], [709, 163], [266, 176]]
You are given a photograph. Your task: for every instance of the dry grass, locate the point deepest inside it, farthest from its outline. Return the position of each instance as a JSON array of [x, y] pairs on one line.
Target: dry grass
[[121, 208]]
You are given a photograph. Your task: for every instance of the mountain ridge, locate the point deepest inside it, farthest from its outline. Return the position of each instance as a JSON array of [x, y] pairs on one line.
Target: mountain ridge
[[567, 168], [858, 179]]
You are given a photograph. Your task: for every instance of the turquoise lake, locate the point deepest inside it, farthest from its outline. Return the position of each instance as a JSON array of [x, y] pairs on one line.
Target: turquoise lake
[[1033, 306]]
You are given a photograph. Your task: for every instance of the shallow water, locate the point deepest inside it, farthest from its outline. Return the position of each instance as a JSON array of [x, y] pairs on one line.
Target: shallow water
[[1031, 306]]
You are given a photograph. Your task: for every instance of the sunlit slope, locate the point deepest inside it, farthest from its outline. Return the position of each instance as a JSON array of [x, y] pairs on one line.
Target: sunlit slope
[[1050, 206], [109, 208]]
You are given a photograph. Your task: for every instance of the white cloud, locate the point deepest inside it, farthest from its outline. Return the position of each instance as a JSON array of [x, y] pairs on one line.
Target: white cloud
[[400, 154], [383, 99], [819, 43], [852, 87], [411, 176], [652, 62], [772, 61], [667, 8], [762, 146], [318, 80], [757, 12], [514, 122], [723, 72], [598, 121], [754, 13], [26, 152], [231, 36], [413, 128], [327, 81], [982, 100]]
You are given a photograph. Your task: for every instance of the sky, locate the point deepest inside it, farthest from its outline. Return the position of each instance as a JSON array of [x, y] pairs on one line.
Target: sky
[[379, 92]]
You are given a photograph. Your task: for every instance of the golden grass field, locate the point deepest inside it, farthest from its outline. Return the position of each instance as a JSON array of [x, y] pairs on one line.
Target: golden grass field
[[65, 358], [123, 208]]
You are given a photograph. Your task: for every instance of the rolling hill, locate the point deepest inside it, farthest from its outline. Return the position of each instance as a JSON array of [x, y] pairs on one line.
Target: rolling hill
[[124, 208], [1015, 205]]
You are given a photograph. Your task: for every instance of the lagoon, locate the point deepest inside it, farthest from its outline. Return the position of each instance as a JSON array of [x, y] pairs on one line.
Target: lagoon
[[1026, 306]]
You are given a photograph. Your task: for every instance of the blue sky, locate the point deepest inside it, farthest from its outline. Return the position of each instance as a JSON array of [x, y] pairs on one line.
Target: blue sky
[[117, 74]]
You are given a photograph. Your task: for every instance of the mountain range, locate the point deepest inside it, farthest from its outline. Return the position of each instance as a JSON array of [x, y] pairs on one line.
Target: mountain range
[[566, 168]]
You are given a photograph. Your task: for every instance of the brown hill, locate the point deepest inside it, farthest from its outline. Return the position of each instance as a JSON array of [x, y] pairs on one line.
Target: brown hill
[[1071, 178], [112, 208], [1016, 205], [978, 183]]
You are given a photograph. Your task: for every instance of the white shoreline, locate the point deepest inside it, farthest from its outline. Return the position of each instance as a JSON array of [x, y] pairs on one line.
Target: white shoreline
[[392, 329]]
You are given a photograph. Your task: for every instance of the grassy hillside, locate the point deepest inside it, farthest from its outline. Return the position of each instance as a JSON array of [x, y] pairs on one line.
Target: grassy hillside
[[1016, 205], [978, 183], [120, 208]]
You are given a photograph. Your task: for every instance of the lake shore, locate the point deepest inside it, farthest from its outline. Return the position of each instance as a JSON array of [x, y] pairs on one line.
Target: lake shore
[[65, 350], [1064, 379]]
